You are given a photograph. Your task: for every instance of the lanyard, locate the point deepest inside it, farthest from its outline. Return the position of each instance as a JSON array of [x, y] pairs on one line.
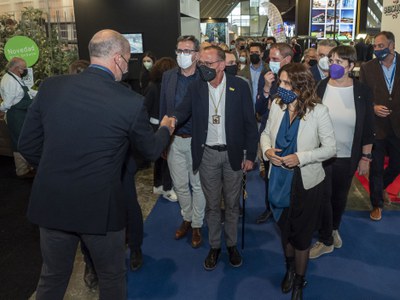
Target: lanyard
[[13, 76], [389, 82]]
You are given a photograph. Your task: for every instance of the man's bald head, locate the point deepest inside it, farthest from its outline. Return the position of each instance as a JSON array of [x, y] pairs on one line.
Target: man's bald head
[[107, 43], [16, 62]]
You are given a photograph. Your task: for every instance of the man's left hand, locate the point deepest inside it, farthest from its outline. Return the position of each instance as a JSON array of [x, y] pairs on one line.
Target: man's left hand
[[247, 165]]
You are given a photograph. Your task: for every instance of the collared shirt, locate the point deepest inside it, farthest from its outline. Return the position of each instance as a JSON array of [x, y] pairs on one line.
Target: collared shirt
[[255, 76], [389, 74], [11, 91], [216, 109], [180, 92], [323, 76]]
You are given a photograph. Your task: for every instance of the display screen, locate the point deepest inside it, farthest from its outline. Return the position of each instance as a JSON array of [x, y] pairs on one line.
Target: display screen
[[136, 42], [328, 23]]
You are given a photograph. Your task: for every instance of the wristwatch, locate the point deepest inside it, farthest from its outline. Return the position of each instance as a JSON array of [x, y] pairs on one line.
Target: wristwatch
[[367, 155]]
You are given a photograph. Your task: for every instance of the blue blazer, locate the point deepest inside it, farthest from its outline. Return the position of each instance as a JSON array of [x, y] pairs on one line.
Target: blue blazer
[[315, 73], [240, 124], [77, 132]]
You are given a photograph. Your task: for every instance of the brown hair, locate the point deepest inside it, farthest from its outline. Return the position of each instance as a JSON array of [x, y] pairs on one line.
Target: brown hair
[[161, 65], [303, 84], [78, 66], [345, 52], [220, 52], [284, 49]]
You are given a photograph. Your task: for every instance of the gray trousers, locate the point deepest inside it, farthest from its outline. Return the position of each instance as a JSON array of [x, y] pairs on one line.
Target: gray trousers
[[217, 179], [58, 252]]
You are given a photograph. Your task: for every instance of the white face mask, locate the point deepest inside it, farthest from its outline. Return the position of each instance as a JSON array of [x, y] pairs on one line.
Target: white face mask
[[147, 65], [242, 59], [324, 63], [274, 66], [184, 61]]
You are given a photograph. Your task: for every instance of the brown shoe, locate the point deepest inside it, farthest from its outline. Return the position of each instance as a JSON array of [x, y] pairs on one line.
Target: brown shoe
[[376, 214], [182, 230], [196, 237]]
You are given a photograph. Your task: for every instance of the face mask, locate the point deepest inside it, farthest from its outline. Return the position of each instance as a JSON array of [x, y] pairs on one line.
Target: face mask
[[147, 65], [286, 96], [324, 63], [24, 73], [255, 58], [184, 61], [336, 71], [206, 73], [241, 47], [242, 59], [124, 75], [312, 62], [274, 66], [231, 69], [381, 54]]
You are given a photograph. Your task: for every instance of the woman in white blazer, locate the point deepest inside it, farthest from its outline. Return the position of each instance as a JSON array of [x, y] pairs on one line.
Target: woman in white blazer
[[298, 137]]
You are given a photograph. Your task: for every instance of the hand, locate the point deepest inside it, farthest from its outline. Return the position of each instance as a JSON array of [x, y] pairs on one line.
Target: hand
[[273, 158], [382, 111], [247, 165], [290, 161], [363, 167], [269, 79], [168, 122]]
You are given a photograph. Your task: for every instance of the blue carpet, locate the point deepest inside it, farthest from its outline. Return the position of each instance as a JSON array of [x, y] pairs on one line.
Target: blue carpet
[[366, 267]]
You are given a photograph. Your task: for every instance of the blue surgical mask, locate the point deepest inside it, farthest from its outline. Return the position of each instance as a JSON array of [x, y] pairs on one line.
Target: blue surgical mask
[[381, 54], [286, 96], [336, 71], [274, 66]]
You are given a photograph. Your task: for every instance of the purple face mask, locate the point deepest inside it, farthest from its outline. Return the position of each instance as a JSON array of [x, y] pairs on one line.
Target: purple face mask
[[336, 71]]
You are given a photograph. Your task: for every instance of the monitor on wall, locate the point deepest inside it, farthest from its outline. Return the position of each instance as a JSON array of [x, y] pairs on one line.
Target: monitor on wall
[[136, 42]]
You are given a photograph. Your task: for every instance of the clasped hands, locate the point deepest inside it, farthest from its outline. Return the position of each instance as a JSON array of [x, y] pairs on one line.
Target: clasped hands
[[288, 161], [169, 122]]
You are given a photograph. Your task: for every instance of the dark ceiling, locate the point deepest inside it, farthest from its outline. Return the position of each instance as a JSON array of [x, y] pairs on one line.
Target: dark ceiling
[[222, 8]]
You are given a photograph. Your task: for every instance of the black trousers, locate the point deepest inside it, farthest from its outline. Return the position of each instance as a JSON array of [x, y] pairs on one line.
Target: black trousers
[[161, 174], [380, 178], [336, 189], [58, 253]]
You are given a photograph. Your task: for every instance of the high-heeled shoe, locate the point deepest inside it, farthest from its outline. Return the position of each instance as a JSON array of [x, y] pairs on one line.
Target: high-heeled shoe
[[298, 284], [287, 282]]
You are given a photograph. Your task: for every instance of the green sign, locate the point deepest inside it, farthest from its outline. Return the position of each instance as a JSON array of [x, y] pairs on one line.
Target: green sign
[[23, 47]]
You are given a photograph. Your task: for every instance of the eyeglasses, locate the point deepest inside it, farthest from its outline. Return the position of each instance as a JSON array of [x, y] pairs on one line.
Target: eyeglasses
[[207, 63], [184, 51]]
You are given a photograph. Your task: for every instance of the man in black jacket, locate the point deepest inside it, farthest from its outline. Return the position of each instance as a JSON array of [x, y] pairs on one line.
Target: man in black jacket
[[77, 133]]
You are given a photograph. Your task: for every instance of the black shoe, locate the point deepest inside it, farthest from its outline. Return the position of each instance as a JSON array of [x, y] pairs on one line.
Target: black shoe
[[235, 259], [212, 258], [298, 284], [136, 260], [90, 277], [263, 217], [287, 282]]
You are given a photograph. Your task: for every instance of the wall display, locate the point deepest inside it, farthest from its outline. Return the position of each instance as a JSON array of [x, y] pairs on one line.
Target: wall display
[[391, 17], [325, 22], [135, 41], [215, 32]]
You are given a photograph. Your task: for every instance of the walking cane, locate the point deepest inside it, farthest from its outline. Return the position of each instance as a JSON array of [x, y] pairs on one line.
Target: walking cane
[[244, 197]]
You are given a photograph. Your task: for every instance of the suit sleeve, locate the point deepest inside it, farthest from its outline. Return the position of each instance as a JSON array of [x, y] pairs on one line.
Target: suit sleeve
[[163, 98], [261, 105], [31, 138], [369, 126], [265, 140], [251, 131], [149, 144]]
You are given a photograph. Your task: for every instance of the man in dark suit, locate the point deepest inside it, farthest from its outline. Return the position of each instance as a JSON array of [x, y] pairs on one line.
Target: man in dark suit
[[223, 127], [77, 133], [383, 78], [321, 69]]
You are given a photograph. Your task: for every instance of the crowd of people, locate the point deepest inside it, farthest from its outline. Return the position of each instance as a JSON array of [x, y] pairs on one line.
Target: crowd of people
[[206, 118]]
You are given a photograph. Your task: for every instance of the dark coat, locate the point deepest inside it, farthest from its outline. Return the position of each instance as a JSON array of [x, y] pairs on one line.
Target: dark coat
[[371, 74], [240, 124], [77, 132]]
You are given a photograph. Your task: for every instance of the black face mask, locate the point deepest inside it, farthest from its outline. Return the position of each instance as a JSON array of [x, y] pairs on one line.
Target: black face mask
[[241, 47], [255, 58], [24, 73], [312, 62], [206, 73], [231, 70]]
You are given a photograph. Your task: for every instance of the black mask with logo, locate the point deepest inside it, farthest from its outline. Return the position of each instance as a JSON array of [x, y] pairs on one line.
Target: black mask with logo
[[24, 73], [206, 73], [254, 58]]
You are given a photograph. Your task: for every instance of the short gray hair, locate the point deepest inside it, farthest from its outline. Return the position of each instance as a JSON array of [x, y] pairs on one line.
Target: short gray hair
[[108, 42], [328, 43], [15, 61]]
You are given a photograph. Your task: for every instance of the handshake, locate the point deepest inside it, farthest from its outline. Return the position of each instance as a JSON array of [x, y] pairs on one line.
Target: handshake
[[169, 122]]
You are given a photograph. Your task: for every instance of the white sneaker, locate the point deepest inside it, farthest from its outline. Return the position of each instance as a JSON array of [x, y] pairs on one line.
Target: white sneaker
[[158, 190], [170, 195], [337, 240], [319, 249]]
